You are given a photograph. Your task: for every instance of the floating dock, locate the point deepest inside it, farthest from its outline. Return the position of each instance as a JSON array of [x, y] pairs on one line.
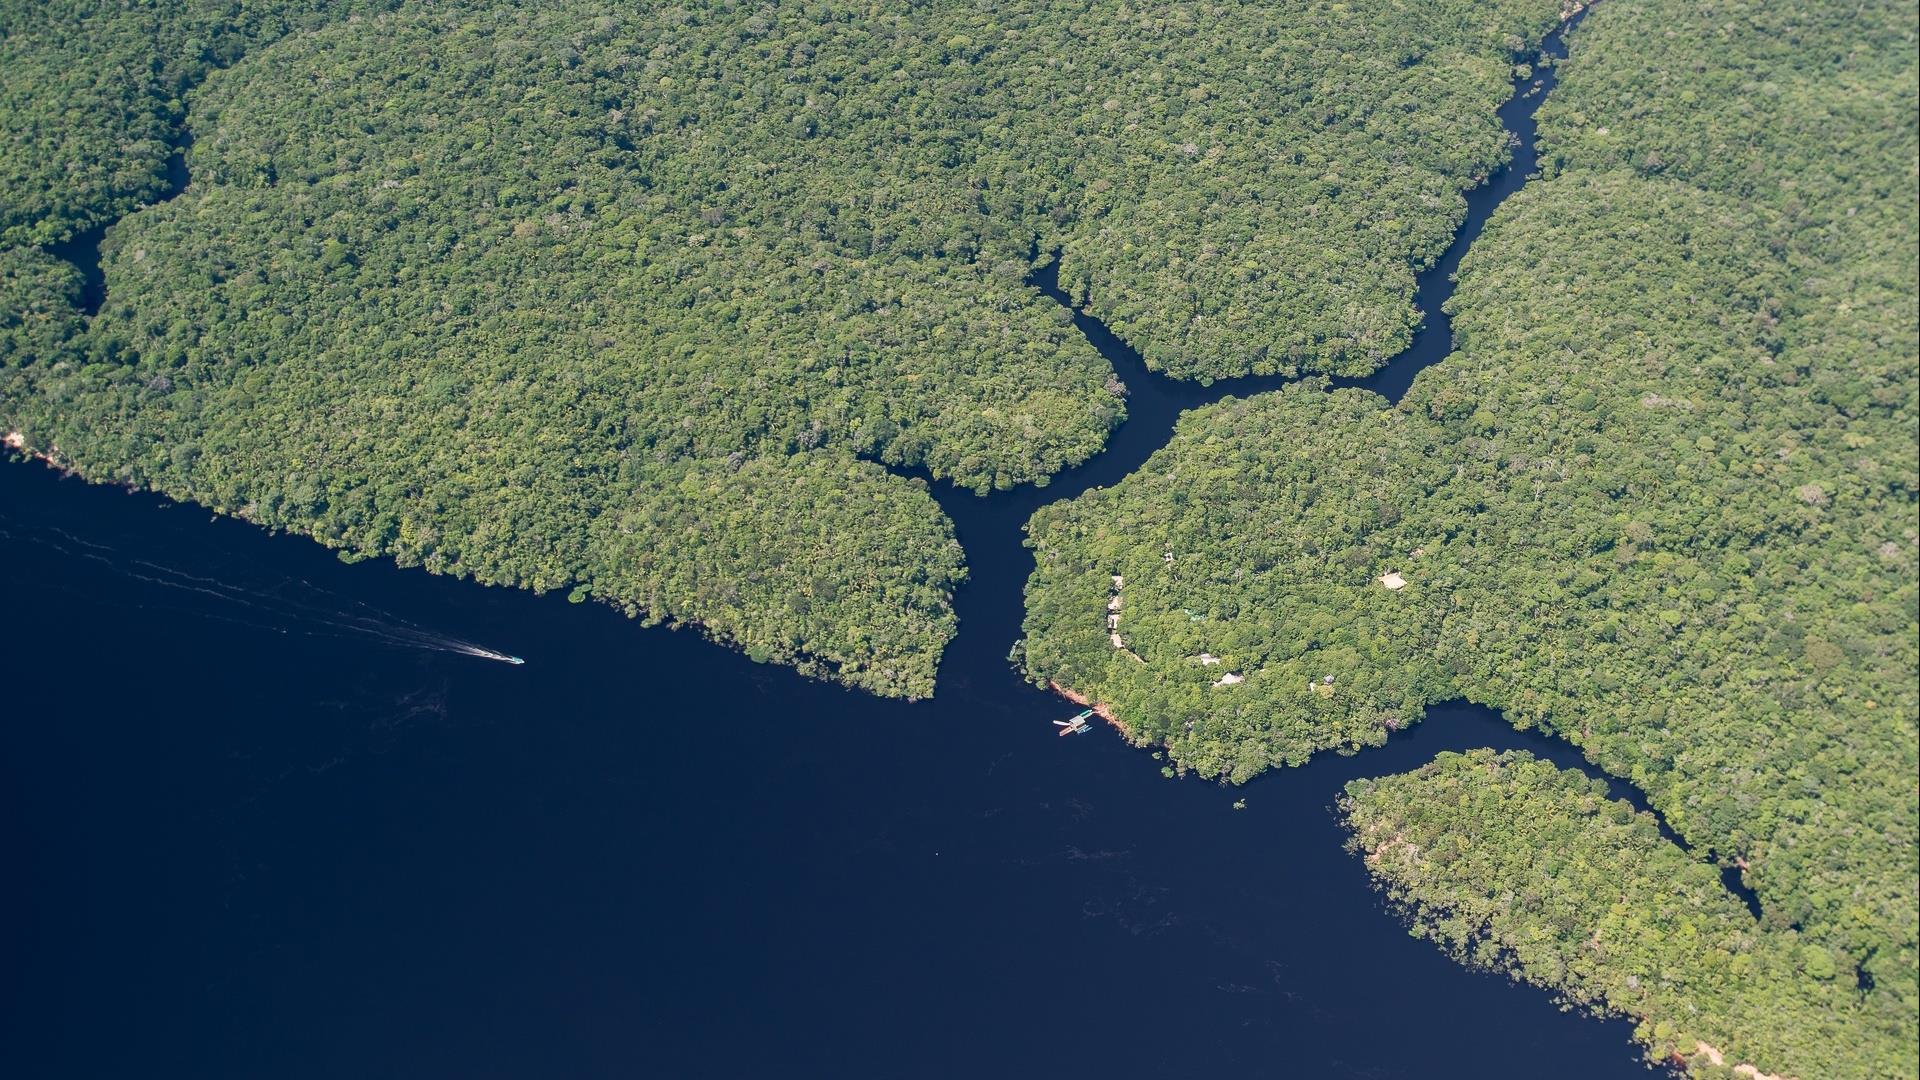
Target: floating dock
[[1075, 724]]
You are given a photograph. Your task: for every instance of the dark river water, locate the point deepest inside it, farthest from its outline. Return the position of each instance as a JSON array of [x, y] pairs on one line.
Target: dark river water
[[261, 821]]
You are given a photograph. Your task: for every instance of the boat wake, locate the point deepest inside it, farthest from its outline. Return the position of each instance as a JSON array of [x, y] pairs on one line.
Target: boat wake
[[284, 606]]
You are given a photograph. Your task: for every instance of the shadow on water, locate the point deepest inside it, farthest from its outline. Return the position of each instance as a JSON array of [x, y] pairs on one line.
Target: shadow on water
[[640, 854]]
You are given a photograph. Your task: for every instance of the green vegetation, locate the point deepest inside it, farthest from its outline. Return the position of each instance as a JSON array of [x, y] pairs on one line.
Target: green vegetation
[[91, 99], [86, 120], [1660, 502], [1613, 917], [39, 316], [635, 303], [640, 304]]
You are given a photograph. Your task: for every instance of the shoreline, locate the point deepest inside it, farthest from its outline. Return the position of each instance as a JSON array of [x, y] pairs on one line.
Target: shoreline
[[1100, 709], [1534, 86]]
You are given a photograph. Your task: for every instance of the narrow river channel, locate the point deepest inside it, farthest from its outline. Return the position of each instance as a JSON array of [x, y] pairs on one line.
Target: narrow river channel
[[250, 836]]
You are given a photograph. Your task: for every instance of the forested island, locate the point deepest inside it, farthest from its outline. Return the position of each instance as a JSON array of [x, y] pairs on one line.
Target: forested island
[[1660, 503], [659, 307]]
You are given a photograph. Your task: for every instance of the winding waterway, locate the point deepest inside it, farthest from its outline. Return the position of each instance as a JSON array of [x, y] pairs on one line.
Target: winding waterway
[[252, 836]]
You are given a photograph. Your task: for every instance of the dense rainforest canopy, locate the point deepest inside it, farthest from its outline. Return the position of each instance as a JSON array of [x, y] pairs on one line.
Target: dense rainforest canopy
[[1660, 502], [637, 302], [1594, 903], [642, 303]]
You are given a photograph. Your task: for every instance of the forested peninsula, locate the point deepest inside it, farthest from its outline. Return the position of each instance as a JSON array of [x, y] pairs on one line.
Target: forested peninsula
[[660, 307], [1660, 502], [641, 303]]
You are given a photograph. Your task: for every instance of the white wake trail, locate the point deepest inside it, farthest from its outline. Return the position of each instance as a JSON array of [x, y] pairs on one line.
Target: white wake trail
[[282, 614]]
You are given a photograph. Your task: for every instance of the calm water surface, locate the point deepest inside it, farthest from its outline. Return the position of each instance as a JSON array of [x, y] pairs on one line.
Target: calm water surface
[[258, 826], [236, 852]]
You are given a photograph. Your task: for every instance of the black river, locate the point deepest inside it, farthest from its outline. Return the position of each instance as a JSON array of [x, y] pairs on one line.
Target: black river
[[262, 819]]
